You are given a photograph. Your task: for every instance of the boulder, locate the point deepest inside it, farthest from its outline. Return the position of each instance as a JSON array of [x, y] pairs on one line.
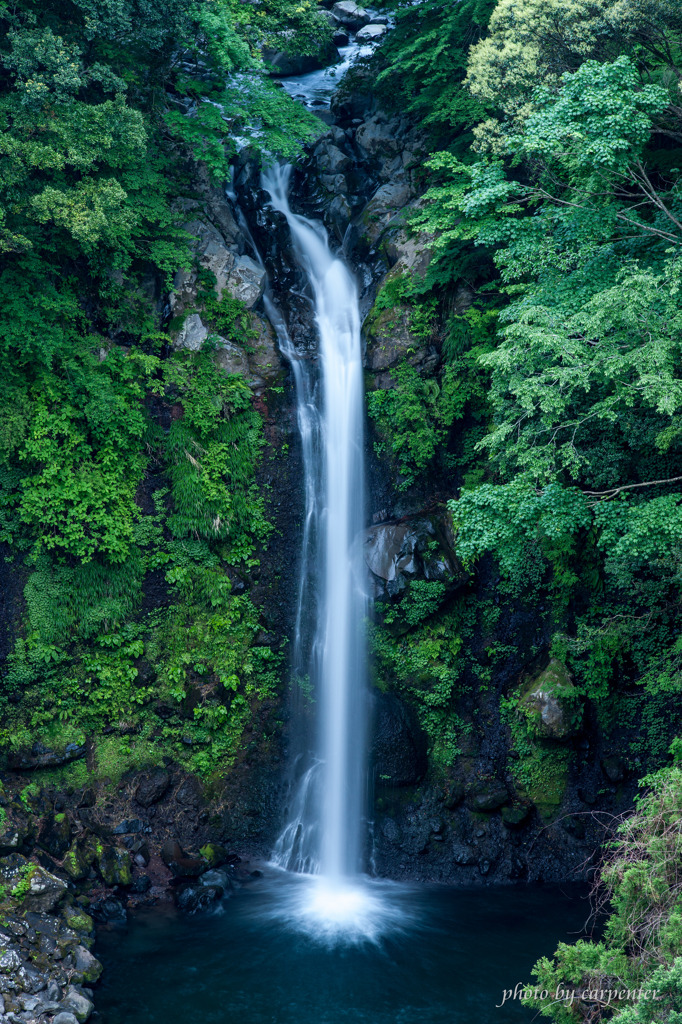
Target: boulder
[[398, 750], [330, 159], [515, 817], [377, 137], [55, 835], [382, 208], [114, 865], [76, 1002], [189, 793], [127, 827], [78, 860], [418, 547], [41, 756], [194, 899], [551, 705], [487, 796], [17, 831], [44, 891], [192, 334], [348, 13], [77, 920], [371, 33], [230, 358], [152, 788], [246, 281], [283, 64], [214, 854], [87, 965], [613, 768], [336, 184], [110, 911], [217, 877], [180, 863]]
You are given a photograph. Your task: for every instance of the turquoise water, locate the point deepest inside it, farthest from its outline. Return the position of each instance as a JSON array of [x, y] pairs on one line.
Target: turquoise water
[[446, 959]]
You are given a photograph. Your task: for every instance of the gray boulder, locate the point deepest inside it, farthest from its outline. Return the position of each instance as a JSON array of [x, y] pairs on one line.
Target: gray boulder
[[371, 33], [76, 1002], [385, 204], [551, 704], [331, 159], [348, 13], [230, 358], [246, 281], [420, 547], [192, 334], [377, 137]]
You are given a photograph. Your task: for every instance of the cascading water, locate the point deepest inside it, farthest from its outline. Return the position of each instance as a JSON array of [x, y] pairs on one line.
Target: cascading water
[[320, 848], [324, 833]]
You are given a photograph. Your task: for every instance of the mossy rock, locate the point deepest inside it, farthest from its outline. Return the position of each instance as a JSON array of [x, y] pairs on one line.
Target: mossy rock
[[78, 860], [551, 704], [114, 865], [542, 779], [78, 920], [516, 816], [214, 854], [487, 796]]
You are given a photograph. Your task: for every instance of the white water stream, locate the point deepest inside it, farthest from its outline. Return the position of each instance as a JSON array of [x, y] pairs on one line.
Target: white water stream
[[324, 836], [324, 833]]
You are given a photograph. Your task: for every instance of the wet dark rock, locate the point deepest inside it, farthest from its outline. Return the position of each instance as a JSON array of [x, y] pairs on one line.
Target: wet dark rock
[[141, 884], [17, 832], [219, 877], [419, 547], [152, 788], [128, 826], [194, 899], [78, 860], [487, 796], [613, 768], [189, 793], [109, 911], [88, 967], [180, 863], [398, 749], [44, 890], [114, 865], [214, 854], [454, 795], [515, 817], [284, 64], [55, 835], [41, 756]]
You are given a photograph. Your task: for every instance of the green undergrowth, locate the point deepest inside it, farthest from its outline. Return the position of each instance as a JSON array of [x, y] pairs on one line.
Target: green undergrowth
[[184, 676]]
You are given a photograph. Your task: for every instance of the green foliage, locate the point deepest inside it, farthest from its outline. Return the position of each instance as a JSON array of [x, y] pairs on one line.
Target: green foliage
[[425, 63], [415, 416], [641, 939]]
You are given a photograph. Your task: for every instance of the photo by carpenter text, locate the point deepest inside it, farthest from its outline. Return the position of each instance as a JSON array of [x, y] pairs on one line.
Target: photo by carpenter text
[[603, 996]]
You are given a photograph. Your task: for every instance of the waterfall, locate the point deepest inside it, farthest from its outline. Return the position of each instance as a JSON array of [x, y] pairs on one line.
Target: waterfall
[[324, 833]]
